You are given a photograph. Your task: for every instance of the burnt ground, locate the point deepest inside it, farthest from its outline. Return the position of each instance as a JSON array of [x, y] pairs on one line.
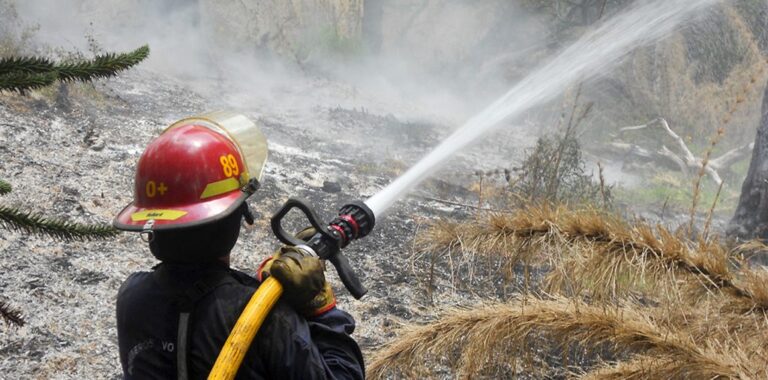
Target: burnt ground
[[69, 151]]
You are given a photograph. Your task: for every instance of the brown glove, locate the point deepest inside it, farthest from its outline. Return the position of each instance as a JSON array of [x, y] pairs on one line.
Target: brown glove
[[302, 277], [263, 271]]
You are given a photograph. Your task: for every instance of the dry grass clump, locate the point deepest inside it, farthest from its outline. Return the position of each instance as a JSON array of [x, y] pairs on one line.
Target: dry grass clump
[[469, 341], [597, 254], [641, 367], [752, 292], [642, 300]]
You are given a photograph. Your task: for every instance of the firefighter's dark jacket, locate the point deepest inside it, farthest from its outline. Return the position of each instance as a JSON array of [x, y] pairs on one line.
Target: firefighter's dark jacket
[[288, 346]]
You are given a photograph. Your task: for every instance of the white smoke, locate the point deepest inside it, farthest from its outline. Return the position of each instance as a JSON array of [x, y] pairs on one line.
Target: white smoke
[[447, 57]]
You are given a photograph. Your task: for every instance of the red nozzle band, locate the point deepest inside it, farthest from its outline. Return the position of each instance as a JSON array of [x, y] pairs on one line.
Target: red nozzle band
[[352, 223]]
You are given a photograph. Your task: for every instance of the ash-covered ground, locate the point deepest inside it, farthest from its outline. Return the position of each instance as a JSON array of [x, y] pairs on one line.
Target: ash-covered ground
[[70, 151]]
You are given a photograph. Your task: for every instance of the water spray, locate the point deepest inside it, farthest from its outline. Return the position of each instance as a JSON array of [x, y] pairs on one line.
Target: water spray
[[591, 55]]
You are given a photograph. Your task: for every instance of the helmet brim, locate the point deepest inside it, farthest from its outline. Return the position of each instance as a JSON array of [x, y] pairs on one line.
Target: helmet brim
[[133, 218]]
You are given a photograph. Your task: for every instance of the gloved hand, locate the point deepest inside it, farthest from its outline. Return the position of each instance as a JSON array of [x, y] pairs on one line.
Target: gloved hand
[[302, 277], [263, 272]]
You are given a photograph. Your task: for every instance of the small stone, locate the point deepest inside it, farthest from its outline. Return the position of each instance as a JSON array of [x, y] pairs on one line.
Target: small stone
[[331, 187], [98, 145]]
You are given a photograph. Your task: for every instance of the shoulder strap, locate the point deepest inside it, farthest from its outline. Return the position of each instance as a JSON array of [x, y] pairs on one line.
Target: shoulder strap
[[186, 305]]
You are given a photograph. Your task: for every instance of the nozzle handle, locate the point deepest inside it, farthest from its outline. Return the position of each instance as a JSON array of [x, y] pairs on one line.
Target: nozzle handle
[[290, 239], [347, 275]]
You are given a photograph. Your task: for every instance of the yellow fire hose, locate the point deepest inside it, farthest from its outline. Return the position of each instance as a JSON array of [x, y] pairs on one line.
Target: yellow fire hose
[[245, 330], [355, 220]]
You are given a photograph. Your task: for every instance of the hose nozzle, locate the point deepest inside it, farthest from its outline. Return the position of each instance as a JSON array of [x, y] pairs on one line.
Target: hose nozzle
[[355, 221]]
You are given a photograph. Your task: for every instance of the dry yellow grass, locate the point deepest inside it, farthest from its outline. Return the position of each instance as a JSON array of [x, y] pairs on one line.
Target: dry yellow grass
[[642, 367], [474, 340], [663, 305], [600, 255]]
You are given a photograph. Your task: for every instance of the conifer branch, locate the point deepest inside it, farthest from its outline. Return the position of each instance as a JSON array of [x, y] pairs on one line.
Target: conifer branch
[[10, 315], [21, 81], [15, 219], [28, 65], [5, 187], [20, 74], [102, 66]]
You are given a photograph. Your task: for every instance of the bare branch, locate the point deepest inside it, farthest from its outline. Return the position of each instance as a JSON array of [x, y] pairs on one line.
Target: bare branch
[[665, 152], [687, 155], [684, 158], [732, 156]]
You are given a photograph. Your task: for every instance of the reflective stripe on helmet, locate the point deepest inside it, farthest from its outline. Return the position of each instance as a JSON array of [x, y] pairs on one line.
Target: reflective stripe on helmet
[[224, 186], [220, 187]]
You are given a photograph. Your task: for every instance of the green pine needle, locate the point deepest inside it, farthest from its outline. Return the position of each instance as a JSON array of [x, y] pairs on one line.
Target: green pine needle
[[102, 66], [5, 187], [10, 315], [20, 74], [14, 219], [28, 65], [21, 82]]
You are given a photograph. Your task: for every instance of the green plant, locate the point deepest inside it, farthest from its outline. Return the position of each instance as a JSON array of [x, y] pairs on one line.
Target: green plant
[[26, 222], [21, 74], [669, 193], [554, 172]]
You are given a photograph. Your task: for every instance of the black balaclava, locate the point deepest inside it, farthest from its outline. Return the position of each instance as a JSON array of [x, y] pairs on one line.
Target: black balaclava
[[200, 244]]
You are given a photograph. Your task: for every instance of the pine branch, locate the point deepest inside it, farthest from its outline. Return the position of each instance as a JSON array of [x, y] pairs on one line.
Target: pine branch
[[21, 82], [102, 66], [10, 315], [5, 187], [27, 65], [14, 219]]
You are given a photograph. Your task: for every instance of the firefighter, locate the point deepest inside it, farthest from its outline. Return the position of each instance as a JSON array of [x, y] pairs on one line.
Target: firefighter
[[191, 187]]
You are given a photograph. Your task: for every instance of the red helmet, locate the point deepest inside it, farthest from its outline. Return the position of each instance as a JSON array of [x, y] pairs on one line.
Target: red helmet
[[192, 174]]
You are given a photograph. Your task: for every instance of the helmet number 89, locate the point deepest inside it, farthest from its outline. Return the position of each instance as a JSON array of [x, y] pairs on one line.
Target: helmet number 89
[[229, 165]]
